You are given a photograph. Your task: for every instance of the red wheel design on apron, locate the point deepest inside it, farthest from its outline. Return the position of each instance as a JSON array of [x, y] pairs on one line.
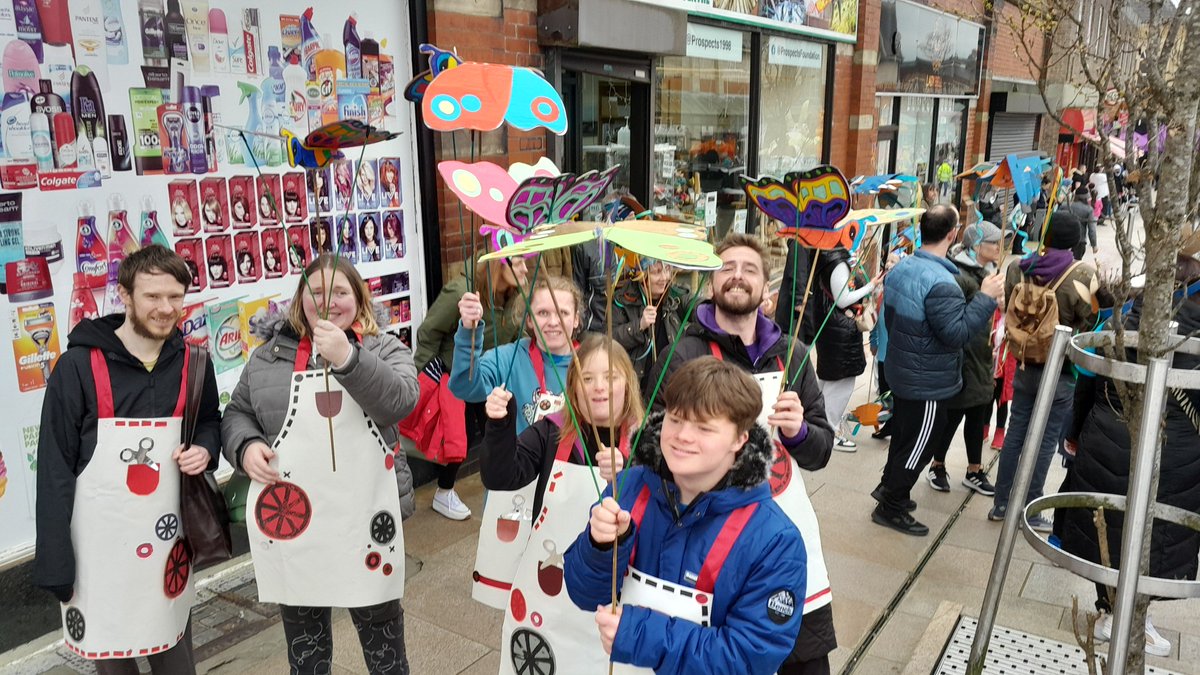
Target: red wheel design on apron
[[531, 654], [179, 568], [516, 604], [283, 511], [781, 471]]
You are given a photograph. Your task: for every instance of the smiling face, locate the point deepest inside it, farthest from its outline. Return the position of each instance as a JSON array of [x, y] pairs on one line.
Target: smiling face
[[658, 276], [738, 286], [554, 328], [155, 304], [594, 385], [700, 452], [342, 303], [181, 213]]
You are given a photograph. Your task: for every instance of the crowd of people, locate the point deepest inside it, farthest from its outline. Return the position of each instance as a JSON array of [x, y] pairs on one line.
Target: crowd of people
[[677, 441]]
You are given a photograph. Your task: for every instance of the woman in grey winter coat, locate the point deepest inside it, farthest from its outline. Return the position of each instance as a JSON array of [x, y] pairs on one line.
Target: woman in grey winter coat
[[331, 321]]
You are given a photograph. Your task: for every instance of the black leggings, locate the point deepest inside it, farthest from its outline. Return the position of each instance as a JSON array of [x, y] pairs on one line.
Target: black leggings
[[1001, 408], [973, 421], [177, 660], [309, 635]]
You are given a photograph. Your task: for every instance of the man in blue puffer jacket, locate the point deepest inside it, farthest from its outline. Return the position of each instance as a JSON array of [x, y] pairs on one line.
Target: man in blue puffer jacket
[[928, 323]]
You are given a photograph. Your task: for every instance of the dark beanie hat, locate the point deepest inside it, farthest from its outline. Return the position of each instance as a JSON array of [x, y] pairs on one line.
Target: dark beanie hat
[[1065, 231]]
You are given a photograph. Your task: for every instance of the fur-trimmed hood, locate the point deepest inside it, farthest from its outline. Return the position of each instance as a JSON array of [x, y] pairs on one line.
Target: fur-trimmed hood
[[749, 469]]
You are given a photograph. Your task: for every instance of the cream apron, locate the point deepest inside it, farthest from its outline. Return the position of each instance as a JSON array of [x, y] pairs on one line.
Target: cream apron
[[671, 598], [787, 487], [133, 586], [544, 632], [328, 534], [504, 533]]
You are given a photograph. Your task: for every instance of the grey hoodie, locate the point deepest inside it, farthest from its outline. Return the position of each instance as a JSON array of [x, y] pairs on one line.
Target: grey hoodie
[[380, 377]]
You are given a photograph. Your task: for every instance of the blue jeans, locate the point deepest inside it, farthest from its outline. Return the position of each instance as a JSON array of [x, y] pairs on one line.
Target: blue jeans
[[1025, 385]]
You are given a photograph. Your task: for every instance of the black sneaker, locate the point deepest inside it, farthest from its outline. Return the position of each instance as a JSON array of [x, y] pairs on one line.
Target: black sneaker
[[937, 478], [901, 522], [877, 495], [978, 481]]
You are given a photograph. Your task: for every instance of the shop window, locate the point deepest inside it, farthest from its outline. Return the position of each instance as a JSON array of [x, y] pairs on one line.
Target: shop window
[[914, 135], [793, 105], [701, 128]]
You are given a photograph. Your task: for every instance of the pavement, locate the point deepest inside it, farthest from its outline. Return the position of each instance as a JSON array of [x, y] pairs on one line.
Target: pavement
[[896, 597]]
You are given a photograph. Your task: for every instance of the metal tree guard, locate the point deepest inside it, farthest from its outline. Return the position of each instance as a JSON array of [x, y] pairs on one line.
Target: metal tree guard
[[1158, 377]]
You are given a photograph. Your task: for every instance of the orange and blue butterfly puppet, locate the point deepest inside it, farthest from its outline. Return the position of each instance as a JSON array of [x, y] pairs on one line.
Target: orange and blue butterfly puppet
[[456, 94]]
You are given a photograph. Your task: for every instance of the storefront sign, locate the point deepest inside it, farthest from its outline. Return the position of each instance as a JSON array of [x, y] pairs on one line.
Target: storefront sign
[[708, 42], [783, 51], [828, 20]]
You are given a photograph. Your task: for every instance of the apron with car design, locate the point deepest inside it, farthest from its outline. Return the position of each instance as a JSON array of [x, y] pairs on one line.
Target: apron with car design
[[328, 533], [133, 585], [544, 631]]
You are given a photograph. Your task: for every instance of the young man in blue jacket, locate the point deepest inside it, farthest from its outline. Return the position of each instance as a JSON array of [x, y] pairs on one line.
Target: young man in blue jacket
[[928, 322], [713, 571]]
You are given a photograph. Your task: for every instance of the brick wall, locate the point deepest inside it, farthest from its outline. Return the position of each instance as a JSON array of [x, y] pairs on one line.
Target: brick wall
[[493, 31]]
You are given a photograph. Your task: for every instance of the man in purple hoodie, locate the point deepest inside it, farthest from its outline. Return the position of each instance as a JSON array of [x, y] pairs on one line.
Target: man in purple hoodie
[[732, 328], [1076, 289]]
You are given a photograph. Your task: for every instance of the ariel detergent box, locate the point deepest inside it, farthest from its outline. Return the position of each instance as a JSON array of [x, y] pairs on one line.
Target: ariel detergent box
[[225, 335]]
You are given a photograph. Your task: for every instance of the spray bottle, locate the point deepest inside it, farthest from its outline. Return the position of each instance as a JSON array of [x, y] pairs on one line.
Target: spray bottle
[[310, 43], [353, 48], [236, 145], [151, 232]]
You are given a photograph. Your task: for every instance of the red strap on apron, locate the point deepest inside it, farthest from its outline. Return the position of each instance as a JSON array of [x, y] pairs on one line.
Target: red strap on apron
[[303, 354], [716, 351], [565, 447], [539, 365], [639, 510], [726, 538], [104, 397]]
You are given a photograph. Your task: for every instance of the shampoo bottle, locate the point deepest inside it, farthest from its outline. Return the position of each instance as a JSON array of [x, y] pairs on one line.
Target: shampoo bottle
[[176, 31], [218, 41], [55, 17], [14, 119], [114, 33], [87, 106], [58, 66], [29, 25], [87, 29], [352, 45]]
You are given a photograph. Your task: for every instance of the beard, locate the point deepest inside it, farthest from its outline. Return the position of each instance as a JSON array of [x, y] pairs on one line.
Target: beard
[[142, 326], [737, 307]]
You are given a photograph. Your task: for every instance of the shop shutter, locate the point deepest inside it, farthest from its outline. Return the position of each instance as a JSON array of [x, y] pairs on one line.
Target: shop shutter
[[1011, 132]]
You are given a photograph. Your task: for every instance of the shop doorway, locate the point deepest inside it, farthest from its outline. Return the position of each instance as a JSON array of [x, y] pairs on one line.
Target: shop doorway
[[608, 120]]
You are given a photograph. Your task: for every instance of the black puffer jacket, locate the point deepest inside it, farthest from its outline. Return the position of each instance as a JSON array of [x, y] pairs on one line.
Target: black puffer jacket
[[1102, 465], [978, 382], [840, 344]]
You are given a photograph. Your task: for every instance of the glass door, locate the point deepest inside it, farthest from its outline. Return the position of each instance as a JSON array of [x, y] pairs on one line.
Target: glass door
[[608, 120]]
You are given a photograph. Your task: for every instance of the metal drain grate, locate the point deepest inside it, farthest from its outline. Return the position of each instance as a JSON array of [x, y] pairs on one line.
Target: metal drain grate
[[1013, 652]]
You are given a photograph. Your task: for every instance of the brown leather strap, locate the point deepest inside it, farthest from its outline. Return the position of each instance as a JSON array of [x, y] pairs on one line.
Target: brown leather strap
[[197, 365]]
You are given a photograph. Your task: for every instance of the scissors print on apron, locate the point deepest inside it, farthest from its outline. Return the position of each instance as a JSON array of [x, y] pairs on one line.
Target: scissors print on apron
[[130, 558]]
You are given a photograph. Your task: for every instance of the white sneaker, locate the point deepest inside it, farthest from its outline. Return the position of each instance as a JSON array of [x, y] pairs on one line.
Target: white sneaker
[[1156, 644], [447, 503]]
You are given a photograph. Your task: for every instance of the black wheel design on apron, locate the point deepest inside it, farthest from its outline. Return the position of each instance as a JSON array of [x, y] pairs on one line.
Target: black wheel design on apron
[[75, 624], [383, 527], [167, 527], [283, 511], [179, 568], [531, 654], [781, 471]]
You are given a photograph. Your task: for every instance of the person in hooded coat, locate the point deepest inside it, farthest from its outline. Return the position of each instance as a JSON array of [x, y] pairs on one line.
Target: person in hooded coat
[[1100, 442]]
